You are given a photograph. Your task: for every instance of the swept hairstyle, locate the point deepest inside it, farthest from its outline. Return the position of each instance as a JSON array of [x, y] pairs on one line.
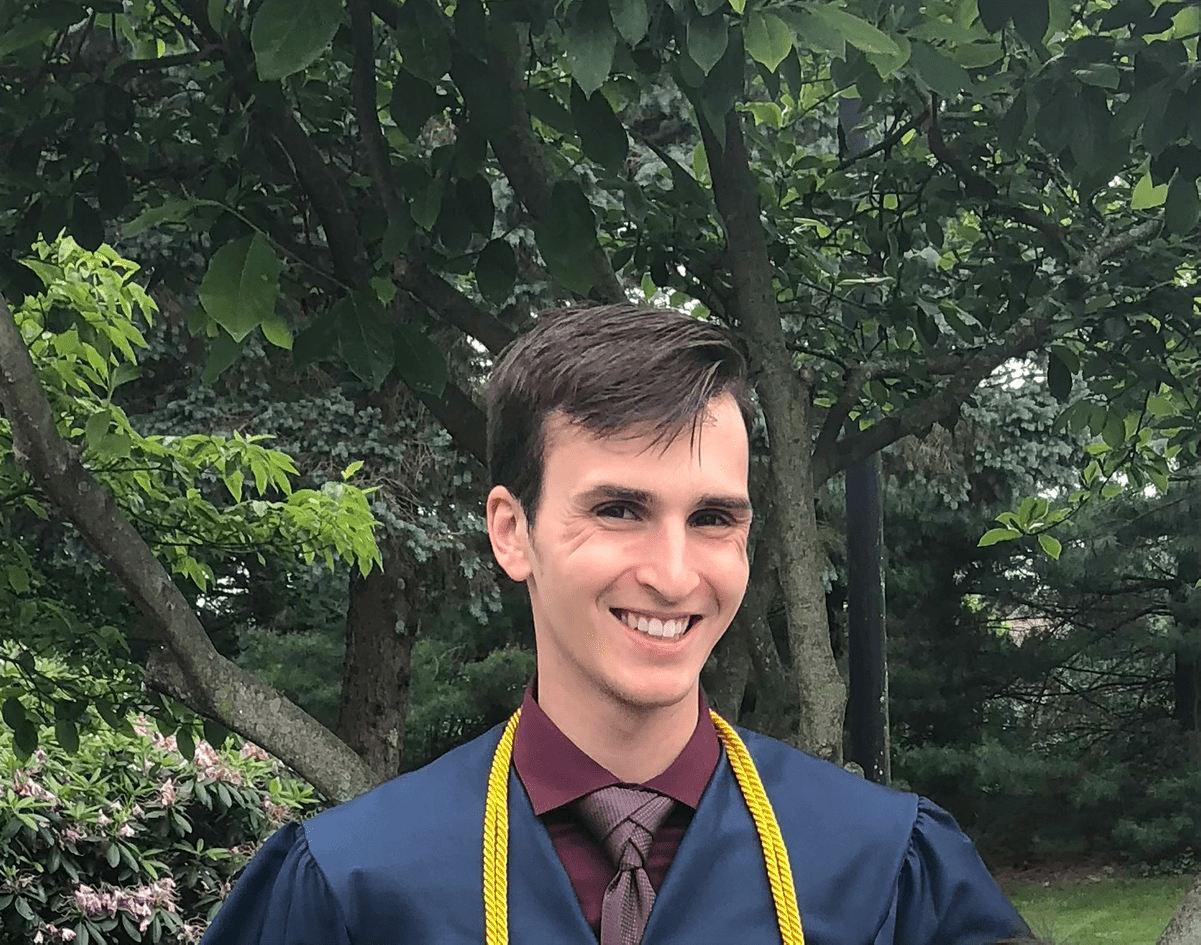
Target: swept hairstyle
[[617, 370]]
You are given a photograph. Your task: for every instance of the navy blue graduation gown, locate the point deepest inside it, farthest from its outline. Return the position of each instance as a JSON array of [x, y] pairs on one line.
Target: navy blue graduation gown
[[403, 865]]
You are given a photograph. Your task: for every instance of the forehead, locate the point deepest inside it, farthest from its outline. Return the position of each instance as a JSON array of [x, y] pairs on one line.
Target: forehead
[[714, 455]]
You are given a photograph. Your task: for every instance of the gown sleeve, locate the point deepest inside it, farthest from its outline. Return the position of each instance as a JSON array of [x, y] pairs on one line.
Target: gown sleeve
[[282, 898], [945, 894]]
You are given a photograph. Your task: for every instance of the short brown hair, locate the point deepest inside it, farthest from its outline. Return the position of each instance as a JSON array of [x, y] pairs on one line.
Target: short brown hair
[[612, 369]]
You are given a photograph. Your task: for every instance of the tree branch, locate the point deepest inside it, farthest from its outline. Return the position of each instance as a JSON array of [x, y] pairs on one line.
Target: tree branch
[[518, 150], [464, 421], [440, 296], [333, 210], [363, 94], [922, 414], [201, 678], [977, 186], [886, 142]]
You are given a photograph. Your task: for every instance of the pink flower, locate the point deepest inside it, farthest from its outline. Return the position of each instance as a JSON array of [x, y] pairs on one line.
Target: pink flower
[[276, 813], [166, 793]]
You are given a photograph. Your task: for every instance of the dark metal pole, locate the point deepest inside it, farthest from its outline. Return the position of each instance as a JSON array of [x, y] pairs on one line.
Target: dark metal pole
[[867, 707], [867, 701]]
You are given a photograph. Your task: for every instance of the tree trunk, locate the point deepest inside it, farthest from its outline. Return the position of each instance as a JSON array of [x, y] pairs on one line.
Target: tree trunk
[[376, 675], [820, 691], [1185, 927]]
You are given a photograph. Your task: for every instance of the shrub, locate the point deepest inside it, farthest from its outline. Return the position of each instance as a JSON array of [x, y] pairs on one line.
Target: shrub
[[125, 841]]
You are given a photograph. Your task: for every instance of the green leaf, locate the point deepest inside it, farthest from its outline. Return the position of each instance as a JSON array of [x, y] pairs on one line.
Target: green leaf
[[67, 735], [171, 210], [318, 341], [975, 55], [631, 18], [112, 187], [18, 578], [365, 339], [14, 713], [1114, 431], [422, 39], [886, 65], [591, 42], [814, 33], [768, 39], [215, 733], [1050, 545], [222, 353], [413, 102], [1032, 19], [566, 237], [938, 71], [602, 136], [289, 35], [1146, 195], [86, 227], [96, 427], [994, 14], [241, 285], [276, 331], [496, 271], [425, 204], [707, 40], [25, 740], [419, 361], [1182, 206], [995, 535], [475, 196], [859, 33], [186, 743], [1059, 378], [1102, 74], [1159, 405]]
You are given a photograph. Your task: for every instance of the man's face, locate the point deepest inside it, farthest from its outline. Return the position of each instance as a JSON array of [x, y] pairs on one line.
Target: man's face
[[631, 538]]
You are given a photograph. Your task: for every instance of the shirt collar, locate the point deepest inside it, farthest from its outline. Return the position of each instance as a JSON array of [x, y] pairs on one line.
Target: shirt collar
[[554, 771]]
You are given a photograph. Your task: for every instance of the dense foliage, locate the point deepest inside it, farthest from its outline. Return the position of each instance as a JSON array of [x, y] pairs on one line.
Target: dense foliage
[[127, 840]]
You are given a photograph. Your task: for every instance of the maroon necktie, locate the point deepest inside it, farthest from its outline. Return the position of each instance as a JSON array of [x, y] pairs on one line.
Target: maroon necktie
[[624, 821]]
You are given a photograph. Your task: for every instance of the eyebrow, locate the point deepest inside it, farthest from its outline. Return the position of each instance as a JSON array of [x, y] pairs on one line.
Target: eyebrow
[[607, 491]]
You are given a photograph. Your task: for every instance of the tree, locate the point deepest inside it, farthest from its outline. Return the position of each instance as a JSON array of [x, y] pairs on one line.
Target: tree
[[63, 353], [362, 176]]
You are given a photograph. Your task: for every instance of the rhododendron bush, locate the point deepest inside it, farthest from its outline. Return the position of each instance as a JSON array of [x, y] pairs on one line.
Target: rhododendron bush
[[127, 840]]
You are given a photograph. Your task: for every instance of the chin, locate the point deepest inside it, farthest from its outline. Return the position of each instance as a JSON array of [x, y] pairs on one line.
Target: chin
[[648, 696]]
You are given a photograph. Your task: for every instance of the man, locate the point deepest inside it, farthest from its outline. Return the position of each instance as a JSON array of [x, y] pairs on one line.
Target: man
[[618, 445]]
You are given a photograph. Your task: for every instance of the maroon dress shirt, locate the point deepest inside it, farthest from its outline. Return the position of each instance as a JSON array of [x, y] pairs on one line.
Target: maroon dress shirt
[[555, 772]]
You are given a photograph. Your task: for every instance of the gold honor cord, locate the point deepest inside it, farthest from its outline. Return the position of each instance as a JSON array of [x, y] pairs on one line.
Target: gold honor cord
[[496, 837]]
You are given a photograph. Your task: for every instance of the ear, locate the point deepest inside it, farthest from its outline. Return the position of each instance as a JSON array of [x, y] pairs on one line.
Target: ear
[[509, 533]]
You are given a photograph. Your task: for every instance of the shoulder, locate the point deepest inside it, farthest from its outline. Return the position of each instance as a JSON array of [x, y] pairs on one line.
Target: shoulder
[[819, 800], [384, 825]]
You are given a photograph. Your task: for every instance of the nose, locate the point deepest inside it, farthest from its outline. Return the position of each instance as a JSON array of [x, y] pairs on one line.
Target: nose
[[668, 565]]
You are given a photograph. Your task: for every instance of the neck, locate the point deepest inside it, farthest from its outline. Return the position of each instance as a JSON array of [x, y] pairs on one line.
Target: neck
[[634, 743]]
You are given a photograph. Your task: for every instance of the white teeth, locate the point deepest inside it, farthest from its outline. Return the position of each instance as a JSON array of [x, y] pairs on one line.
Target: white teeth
[[653, 626]]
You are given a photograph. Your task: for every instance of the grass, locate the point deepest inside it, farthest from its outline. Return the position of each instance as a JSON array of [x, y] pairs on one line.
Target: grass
[[1099, 910]]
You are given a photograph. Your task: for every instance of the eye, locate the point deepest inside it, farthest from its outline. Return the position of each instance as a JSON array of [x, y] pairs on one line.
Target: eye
[[620, 511], [710, 517]]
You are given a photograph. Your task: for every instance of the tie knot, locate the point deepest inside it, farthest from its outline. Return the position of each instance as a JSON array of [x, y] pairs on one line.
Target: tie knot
[[624, 821]]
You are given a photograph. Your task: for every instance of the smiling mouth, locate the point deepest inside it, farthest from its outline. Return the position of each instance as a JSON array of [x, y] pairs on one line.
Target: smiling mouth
[[655, 627]]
